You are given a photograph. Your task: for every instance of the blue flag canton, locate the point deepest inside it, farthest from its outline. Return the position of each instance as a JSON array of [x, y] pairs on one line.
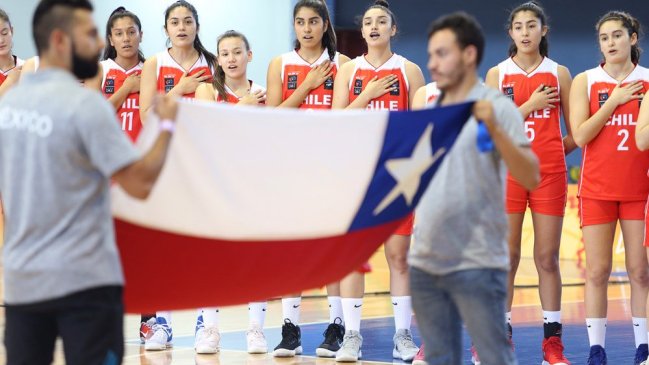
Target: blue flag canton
[[414, 146]]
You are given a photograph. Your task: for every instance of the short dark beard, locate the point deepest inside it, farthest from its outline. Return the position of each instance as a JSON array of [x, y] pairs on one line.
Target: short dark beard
[[83, 68]]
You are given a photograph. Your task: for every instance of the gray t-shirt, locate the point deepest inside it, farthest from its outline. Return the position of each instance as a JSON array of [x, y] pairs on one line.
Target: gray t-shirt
[[59, 145], [460, 220]]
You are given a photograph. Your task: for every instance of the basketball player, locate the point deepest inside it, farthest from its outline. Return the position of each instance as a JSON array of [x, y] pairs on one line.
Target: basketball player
[[304, 78], [604, 104], [379, 80], [177, 71], [10, 65], [540, 87]]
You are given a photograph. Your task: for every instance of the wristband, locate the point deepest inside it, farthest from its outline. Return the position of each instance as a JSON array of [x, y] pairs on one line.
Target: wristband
[[167, 125]]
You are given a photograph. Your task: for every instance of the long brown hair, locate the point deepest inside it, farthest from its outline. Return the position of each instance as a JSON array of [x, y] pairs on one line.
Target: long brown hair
[[218, 81]]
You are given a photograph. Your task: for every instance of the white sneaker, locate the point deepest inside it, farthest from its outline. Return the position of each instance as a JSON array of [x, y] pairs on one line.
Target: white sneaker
[[404, 347], [161, 338], [350, 350], [256, 341], [207, 340]]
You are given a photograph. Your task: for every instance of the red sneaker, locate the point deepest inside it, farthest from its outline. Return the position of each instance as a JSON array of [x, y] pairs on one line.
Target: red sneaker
[[420, 358], [553, 351], [146, 330]]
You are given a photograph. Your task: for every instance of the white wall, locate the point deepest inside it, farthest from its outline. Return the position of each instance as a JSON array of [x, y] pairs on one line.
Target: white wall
[[266, 23]]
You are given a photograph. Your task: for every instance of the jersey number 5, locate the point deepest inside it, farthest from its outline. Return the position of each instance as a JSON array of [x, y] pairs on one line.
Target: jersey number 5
[[529, 130]]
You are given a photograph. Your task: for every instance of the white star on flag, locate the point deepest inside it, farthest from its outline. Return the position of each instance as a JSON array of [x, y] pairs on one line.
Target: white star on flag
[[408, 171]]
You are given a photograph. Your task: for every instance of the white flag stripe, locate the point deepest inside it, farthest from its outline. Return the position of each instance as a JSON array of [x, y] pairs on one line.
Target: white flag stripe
[[248, 173]]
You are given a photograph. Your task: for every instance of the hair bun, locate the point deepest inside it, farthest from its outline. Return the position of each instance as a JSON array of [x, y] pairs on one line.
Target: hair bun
[[121, 9], [382, 3]]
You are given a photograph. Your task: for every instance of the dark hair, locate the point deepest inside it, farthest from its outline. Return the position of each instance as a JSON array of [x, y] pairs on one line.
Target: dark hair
[[329, 40], [383, 5], [54, 14], [466, 28], [209, 57], [218, 80], [631, 24], [110, 52], [534, 7], [4, 16]]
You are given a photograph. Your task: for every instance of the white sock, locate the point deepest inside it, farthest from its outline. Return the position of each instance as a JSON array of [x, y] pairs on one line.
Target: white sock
[[352, 313], [508, 317], [257, 314], [551, 316], [291, 309], [166, 315], [211, 317], [596, 331], [335, 308], [639, 330], [402, 307]]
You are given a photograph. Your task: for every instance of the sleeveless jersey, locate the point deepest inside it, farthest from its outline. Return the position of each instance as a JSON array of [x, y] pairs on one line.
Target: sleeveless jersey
[[129, 113], [432, 92], [294, 71], [233, 98], [364, 72], [612, 167], [543, 127], [169, 72], [4, 73]]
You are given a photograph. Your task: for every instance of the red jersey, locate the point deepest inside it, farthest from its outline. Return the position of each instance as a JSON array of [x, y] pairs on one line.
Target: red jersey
[[233, 98], [612, 167], [169, 72], [4, 73], [128, 114], [294, 71], [543, 127], [364, 72]]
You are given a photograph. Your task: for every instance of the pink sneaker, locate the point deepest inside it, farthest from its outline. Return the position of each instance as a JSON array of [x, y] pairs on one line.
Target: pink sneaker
[[475, 359], [419, 358]]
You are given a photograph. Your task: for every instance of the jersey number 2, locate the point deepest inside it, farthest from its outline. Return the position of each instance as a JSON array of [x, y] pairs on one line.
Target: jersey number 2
[[625, 136]]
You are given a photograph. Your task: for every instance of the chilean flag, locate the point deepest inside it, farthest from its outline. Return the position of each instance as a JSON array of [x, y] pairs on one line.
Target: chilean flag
[[254, 203]]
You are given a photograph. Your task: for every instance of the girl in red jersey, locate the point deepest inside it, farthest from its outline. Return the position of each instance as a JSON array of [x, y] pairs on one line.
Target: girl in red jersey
[[10, 65], [119, 81], [380, 80], [231, 85], [540, 87], [304, 78], [120, 69], [178, 71], [604, 104]]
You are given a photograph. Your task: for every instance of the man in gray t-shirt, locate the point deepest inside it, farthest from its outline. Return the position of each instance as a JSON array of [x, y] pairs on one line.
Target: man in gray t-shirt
[[60, 146], [459, 259]]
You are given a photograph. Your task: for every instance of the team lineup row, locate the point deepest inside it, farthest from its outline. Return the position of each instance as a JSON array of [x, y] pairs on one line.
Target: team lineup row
[[601, 107]]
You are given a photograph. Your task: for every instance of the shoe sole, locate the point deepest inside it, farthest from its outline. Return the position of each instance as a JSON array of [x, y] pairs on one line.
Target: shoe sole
[[322, 352], [349, 359], [287, 352], [419, 362], [157, 347], [206, 350], [474, 362], [556, 363], [258, 350], [397, 355]]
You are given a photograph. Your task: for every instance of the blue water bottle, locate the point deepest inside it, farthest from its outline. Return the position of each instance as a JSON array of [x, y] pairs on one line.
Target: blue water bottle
[[484, 141]]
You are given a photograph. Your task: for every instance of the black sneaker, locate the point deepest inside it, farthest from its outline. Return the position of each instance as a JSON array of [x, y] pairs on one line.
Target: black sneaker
[[291, 344], [333, 337]]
